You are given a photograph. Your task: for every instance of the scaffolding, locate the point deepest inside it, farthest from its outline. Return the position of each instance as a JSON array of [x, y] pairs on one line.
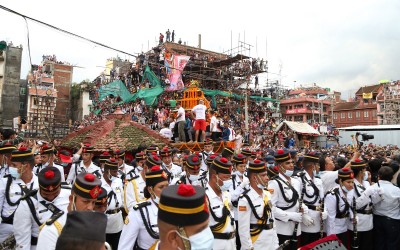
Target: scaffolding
[[391, 103]]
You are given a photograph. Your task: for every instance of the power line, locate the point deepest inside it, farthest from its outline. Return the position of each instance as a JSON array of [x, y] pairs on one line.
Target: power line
[[64, 31]]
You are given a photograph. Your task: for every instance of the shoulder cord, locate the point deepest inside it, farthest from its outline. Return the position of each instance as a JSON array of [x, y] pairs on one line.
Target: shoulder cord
[[358, 195], [220, 221], [110, 196], [183, 179], [233, 181], [346, 204], [316, 190], [295, 195], [8, 186], [147, 223], [266, 211]]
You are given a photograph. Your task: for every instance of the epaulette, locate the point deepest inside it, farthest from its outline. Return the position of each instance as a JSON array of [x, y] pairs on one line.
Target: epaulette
[[133, 178], [318, 177], [141, 204]]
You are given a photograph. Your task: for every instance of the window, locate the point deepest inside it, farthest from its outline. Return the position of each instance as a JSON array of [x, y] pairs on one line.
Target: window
[[35, 101], [350, 115], [357, 114], [22, 91], [21, 105], [373, 113], [342, 115], [366, 114], [335, 116]]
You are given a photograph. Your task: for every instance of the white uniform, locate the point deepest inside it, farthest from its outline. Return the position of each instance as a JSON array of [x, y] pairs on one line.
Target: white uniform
[[114, 200], [173, 169], [284, 225], [335, 225], [236, 190], [77, 168], [133, 192], [25, 226], [267, 238], [312, 199], [182, 178], [329, 180], [216, 206], [204, 156], [37, 169], [365, 217], [9, 202], [135, 229], [124, 169], [49, 234]]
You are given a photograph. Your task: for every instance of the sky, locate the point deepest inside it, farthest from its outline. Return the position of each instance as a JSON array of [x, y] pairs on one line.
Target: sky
[[340, 44]]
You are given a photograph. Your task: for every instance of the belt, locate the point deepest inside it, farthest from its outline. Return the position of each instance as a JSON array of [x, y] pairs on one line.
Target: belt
[[369, 211], [313, 207], [113, 211], [224, 236], [262, 226], [34, 240], [342, 216]]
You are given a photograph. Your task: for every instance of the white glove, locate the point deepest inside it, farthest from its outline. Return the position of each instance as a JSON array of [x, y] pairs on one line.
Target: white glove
[[244, 183], [356, 218], [294, 216], [324, 215], [307, 220]]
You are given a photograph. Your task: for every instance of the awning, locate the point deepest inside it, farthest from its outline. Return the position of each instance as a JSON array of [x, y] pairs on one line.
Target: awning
[[298, 127]]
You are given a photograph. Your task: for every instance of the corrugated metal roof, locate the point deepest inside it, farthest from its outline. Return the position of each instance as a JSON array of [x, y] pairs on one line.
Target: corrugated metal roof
[[372, 127], [299, 127]]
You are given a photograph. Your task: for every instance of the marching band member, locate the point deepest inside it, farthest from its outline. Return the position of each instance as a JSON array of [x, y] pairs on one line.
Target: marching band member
[[19, 182], [338, 205], [141, 223], [183, 219], [255, 216], [312, 225], [221, 220], [86, 165], [134, 188], [286, 192], [114, 187], [83, 197], [39, 207]]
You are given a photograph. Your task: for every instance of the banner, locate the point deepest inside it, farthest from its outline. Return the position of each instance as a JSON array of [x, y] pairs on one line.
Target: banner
[[367, 95], [177, 64]]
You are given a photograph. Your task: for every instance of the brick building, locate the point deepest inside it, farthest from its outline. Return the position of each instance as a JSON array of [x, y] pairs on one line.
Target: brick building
[[309, 105], [361, 111]]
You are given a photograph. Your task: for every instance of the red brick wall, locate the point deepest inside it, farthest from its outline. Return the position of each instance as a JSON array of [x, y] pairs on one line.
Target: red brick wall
[[353, 120], [62, 82]]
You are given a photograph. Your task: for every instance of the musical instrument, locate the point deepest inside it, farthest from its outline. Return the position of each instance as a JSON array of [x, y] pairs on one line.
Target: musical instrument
[[296, 226], [355, 233], [283, 245], [321, 223]]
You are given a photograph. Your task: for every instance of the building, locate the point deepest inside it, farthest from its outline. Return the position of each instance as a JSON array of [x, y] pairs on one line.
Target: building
[[309, 105], [48, 105], [10, 72], [116, 67], [389, 103], [361, 111]]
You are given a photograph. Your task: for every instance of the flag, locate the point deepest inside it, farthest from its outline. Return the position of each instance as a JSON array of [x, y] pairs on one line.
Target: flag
[[177, 65]]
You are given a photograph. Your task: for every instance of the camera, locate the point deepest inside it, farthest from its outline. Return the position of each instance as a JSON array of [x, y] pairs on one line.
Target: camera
[[365, 137]]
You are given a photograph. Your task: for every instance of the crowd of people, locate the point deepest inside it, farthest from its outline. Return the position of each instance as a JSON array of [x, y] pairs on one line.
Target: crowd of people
[[279, 197]]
